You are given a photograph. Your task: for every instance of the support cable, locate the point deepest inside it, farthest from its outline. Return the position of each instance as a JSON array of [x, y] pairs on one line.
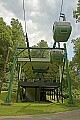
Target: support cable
[[26, 40], [24, 14], [62, 6], [62, 15]]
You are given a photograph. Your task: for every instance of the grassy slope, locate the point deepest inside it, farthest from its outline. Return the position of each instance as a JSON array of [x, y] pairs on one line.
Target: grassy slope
[[32, 108]]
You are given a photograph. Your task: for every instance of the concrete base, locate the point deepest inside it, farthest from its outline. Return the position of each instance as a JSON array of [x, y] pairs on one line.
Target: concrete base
[[72, 105], [7, 104]]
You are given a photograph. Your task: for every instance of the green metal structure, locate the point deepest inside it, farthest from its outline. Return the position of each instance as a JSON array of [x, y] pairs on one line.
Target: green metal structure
[[43, 76], [39, 79], [68, 77], [8, 98]]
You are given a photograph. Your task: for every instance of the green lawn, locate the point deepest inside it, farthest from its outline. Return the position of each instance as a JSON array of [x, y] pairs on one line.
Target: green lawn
[[34, 108]]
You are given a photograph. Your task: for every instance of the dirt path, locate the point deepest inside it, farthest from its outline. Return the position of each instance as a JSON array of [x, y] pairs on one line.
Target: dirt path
[[70, 115]]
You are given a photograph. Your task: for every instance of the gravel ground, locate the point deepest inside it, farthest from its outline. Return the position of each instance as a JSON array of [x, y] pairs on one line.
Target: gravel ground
[[70, 115]]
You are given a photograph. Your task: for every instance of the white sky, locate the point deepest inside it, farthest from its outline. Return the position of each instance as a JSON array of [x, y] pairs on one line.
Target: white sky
[[40, 16]]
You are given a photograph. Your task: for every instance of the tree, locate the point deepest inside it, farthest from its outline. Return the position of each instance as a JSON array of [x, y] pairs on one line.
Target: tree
[[9, 36], [75, 66], [76, 13], [75, 79], [74, 76], [5, 38], [18, 36], [5, 44], [76, 58], [17, 32], [40, 53]]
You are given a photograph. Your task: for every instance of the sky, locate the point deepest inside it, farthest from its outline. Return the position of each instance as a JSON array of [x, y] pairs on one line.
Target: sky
[[40, 17]]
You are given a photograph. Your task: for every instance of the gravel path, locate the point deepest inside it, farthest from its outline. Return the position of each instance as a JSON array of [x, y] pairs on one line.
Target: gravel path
[[70, 115]]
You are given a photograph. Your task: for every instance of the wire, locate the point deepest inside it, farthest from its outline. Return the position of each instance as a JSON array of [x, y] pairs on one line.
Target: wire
[[26, 40], [62, 6], [24, 16], [61, 13], [23, 4]]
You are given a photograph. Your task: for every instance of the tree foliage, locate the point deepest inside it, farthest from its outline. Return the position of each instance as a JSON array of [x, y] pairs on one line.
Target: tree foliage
[[76, 58], [17, 32], [74, 76], [76, 13], [9, 36], [75, 64], [5, 42], [40, 53]]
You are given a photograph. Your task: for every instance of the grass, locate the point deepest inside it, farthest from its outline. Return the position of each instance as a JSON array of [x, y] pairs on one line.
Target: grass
[[4, 94], [33, 108]]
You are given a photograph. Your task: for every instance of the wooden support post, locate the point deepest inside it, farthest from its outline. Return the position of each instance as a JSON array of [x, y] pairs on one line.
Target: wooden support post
[[50, 94], [22, 93], [26, 93], [39, 94], [35, 93], [57, 95], [43, 95], [54, 94]]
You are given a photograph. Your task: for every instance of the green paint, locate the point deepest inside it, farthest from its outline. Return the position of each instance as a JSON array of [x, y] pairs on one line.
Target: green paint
[[68, 77], [56, 58], [8, 98], [61, 31]]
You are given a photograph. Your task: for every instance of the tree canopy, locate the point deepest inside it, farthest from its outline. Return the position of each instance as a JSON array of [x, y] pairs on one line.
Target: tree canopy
[[40, 53], [76, 13], [75, 63], [5, 42], [9, 36], [17, 32], [76, 42], [76, 58]]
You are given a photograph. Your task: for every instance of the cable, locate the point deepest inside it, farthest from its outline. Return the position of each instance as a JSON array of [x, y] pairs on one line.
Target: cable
[[61, 13], [24, 16], [26, 40], [62, 6]]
